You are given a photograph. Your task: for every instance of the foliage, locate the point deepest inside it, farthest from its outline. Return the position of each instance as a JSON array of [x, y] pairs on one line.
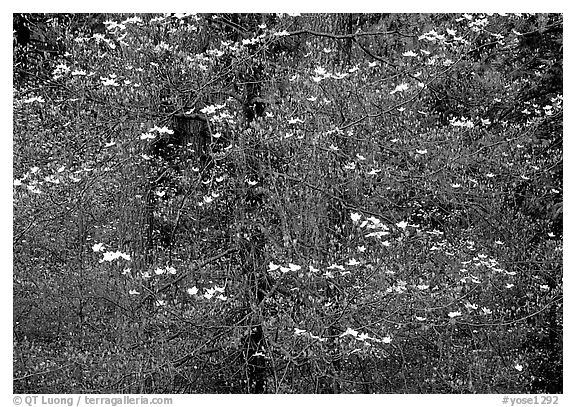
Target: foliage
[[257, 203]]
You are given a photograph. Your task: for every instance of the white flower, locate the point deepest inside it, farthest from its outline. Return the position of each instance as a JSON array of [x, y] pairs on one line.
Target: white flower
[[208, 110], [349, 331], [320, 71], [454, 314], [360, 157], [486, 311], [251, 183], [273, 267], [456, 185], [162, 130], [378, 234], [338, 76], [192, 291], [39, 99], [171, 270], [295, 120], [422, 287], [409, 54], [518, 367], [109, 256], [400, 88], [222, 297], [355, 217], [159, 271], [420, 319], [335, 266], [313, 269], [333, 147], [353, 262], [422, 151], [311, 98], [299, 332], [402, 225], [468, 305], [293, 267], [98, 247], [123, 255], [284, 269], [109, 82], [386, 339]]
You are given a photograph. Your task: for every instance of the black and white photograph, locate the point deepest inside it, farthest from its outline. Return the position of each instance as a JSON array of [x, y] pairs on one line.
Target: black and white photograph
[[287, 203]]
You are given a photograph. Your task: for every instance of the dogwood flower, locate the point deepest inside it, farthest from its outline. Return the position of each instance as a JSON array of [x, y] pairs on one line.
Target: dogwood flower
[[353, 262], [402, 224], [294, 267], [349, 331], [273, 267], [98, 247]]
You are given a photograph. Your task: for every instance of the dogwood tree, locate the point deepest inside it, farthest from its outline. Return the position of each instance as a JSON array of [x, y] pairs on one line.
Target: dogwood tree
[[275, 204]]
